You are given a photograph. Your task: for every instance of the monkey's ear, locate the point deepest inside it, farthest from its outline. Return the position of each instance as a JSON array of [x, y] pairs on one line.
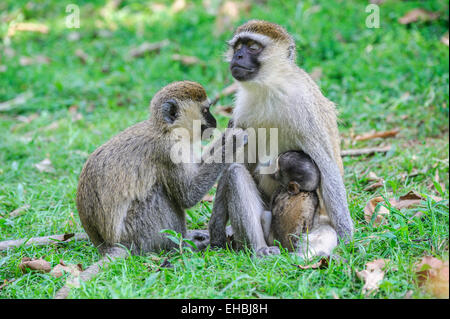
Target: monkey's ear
[[293, 188], [170, 111]]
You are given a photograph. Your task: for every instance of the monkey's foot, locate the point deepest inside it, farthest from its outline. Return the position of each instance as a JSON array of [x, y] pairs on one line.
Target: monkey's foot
[[199, 237], [268, 250]]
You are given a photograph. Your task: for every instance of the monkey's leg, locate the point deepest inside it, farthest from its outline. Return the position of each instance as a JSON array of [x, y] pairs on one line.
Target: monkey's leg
[[319, 242], [245, 208], [219, 215]]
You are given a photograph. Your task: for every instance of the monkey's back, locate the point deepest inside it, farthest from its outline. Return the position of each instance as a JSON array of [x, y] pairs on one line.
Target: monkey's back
[[115, 175], [292, 215]]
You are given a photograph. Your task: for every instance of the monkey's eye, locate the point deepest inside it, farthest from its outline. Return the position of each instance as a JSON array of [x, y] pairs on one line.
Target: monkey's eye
[[254, 47]]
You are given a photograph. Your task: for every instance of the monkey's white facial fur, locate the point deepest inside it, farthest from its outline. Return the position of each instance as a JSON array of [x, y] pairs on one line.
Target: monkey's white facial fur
[[255, 57], [189, 111]]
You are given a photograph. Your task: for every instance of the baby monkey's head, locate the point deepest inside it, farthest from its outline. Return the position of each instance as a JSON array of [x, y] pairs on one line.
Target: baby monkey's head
[[297, 172], [179, 104]]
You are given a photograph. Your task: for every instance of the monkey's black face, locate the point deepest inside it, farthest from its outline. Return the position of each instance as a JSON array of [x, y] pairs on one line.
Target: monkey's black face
[[245, 65], [210, 121]]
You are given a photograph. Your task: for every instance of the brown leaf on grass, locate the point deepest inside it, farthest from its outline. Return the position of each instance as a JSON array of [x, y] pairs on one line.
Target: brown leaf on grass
[[444, 39], [374, 186], [373, 177], [146, 48], [409, 200], [27, 27], [416, 15], [27, 119], [38, 59], [61, 268], [372, 135], [228, 14], [75, 115], [178, 5], [45, 166], [372, 275], [231, 89], [18, 100], [19, 211], [369, 210], [224, 110], [187, 60], [40, 265], [83, 56], [6, 282], [321, 264], [433, 276]]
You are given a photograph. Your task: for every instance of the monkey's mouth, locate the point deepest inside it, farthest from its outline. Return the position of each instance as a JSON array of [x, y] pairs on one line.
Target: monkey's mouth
[[242, 73]]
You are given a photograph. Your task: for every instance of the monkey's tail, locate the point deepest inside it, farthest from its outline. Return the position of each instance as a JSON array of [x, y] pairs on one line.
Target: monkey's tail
[[110, 254]]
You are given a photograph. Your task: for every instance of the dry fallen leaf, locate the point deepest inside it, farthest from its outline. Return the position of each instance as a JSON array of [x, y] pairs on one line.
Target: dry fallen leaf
[[178, 5], [444, 39], [83, 56], [61, 268], [6, 282], [369, 210], [369, 136], [28, 27], [409, 200], [38, 59], [228, 14], [372, 275], [433, 275], [18, 100], [19, 211], [373, 177], [374, 186], [231, 89], [322, 263], [186, 60], [45, 166], [147, 47], [418, 15], [28, 119], [34, 264]]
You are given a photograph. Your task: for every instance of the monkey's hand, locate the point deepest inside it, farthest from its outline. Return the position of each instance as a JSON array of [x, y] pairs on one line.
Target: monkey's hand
[[222, 149]]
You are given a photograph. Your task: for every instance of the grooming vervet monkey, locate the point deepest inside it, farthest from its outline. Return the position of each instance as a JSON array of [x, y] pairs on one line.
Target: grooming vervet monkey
[[273, 92], [130, 189], [293, 206]]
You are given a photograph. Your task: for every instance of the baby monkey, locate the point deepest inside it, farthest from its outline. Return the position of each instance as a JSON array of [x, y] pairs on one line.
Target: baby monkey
[[294, 204]]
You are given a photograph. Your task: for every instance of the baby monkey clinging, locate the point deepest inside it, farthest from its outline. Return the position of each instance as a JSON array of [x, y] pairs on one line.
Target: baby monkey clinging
[[295, 202]]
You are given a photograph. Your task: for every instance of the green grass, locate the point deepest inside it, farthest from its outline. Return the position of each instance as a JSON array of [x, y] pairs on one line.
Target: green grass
[[394, 76]]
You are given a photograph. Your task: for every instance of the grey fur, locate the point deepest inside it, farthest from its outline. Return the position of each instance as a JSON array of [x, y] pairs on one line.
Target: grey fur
[[129, 188]]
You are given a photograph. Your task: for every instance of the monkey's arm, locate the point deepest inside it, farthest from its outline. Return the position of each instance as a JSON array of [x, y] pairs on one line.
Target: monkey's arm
[[332, 185], [191, 188]]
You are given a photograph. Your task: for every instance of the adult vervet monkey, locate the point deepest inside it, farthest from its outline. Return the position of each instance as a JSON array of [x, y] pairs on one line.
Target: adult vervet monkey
[[273, 92]]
